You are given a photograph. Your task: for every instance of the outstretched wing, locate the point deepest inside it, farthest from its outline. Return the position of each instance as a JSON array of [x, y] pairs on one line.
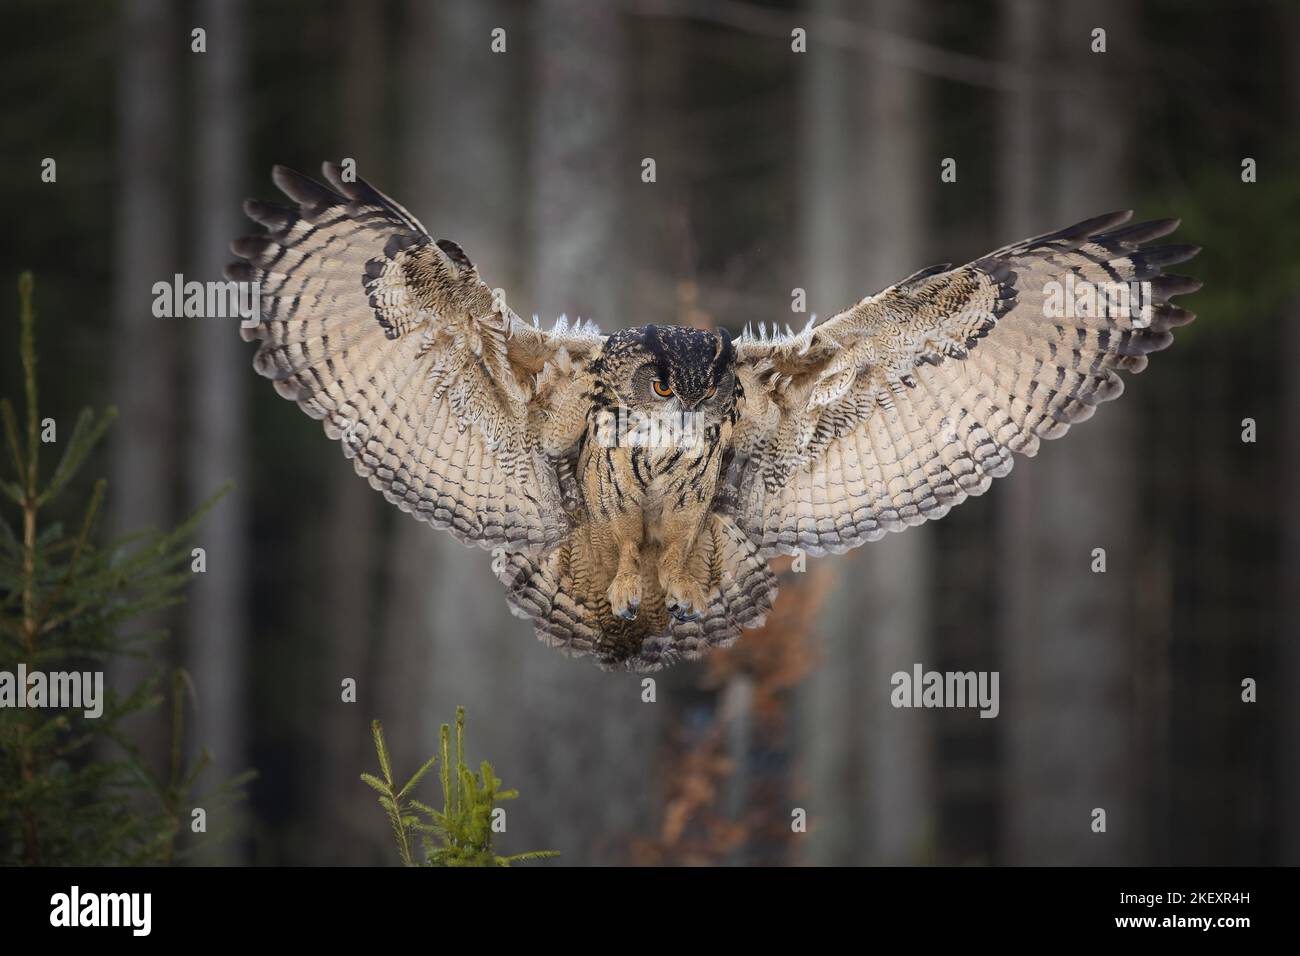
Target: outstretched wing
[[893, 411], [443, 398]]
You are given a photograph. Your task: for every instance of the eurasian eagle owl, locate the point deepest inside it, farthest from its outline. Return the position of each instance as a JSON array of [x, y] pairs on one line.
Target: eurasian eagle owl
[[638, 483]]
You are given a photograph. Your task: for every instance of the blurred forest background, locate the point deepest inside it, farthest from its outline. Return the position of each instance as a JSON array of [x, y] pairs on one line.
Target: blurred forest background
[[776, 170]]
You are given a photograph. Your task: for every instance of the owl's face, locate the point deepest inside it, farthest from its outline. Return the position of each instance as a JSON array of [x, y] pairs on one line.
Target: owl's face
[[672, 370]]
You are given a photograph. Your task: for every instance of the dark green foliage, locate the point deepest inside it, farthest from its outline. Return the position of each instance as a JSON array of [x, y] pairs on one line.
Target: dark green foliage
[[1248, 260], [460, 834], [75, 789]]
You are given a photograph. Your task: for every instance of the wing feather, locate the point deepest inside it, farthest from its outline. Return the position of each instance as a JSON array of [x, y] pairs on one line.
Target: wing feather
[[891, 412], [444, 399]]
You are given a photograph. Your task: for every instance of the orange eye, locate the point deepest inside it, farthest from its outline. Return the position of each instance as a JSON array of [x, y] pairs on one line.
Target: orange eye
[[662, 390], [711, 392]]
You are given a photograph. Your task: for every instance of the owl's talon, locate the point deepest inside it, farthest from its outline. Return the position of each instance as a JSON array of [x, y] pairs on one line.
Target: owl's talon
[[683, 614], [685, 601], [625, 596]]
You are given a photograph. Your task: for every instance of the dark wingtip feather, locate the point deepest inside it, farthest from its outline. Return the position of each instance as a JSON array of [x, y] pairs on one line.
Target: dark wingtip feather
[[361, 191], [1170, 284], [1157, 257], [1169, 316], [307, 192], [1072, 236], [272, 215], [285, 177], [240, 271], [333, 173], [250, 247], [1095, 226], [1140, 232]]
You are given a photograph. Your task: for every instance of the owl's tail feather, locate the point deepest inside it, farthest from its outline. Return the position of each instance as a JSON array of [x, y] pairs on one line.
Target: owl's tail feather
[[565, 598]]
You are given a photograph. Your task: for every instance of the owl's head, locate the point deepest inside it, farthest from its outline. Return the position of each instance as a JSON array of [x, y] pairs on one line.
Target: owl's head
[[672, 369]]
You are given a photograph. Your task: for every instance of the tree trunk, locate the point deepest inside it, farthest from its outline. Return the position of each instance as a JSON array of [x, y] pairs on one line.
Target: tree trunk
[[353, 528], [867, 762], [1066, 631], [217, 619], [448, 622], [592, 738], [143, 470]]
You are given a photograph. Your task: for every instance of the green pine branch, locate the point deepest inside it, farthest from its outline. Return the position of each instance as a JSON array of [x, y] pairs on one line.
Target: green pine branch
[[460, 834], [64, 601]]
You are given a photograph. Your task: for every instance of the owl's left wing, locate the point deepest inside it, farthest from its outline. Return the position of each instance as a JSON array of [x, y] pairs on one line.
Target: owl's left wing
[[891, 412], [443, 398]]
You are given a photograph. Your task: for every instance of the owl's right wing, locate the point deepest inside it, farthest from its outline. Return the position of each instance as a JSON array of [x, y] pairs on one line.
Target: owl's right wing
[[444, 399]]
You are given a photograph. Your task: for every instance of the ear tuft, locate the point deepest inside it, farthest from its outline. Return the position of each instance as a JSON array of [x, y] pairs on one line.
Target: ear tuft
[[725, 353]]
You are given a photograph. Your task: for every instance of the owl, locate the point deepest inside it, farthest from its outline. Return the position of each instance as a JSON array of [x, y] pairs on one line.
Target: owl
[[634, 486]]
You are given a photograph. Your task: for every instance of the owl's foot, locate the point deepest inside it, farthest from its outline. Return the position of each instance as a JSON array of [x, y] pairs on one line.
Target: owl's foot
[[625, 595], [684, 599]]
